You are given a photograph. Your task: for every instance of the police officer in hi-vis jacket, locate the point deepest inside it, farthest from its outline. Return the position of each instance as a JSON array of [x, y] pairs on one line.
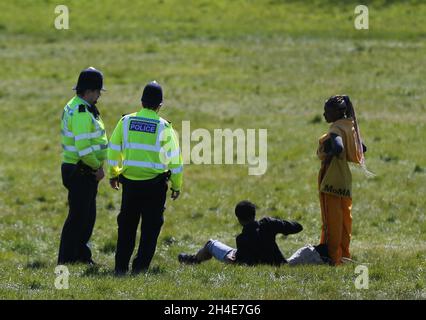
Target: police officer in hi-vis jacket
[[84, 144], [143, 155]]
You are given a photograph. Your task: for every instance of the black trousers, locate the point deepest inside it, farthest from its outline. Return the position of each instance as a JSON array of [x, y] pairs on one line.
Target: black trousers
[[140, 199], [78, 227]]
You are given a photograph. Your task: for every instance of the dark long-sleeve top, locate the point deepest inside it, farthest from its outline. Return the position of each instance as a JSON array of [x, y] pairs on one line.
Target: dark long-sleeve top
[[256, 243]]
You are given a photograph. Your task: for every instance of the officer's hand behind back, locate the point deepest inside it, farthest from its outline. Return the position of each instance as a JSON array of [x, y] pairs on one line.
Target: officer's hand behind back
[[113, 182], [99, 174], [175, 194]]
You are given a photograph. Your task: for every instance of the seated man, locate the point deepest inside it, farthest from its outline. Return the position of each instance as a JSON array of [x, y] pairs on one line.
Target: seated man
[[255, 245]]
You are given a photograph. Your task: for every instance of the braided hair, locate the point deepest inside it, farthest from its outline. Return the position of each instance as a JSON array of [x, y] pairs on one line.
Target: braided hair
[[338, 103]]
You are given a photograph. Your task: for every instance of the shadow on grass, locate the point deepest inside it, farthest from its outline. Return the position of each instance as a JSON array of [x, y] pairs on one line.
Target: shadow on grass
[[100, 271], [156, 270], [97, 271], [109, 247], [37, 264]]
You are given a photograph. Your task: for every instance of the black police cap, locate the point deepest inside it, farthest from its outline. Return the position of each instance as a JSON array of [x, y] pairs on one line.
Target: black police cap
[[90, 79], [152, 95]]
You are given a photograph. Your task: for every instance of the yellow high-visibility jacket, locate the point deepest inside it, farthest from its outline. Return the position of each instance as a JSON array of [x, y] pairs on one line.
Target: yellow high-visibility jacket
[[83, 136], [144, 145]]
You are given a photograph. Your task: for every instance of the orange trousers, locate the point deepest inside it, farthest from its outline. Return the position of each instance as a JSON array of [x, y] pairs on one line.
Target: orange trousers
[[336, 225]]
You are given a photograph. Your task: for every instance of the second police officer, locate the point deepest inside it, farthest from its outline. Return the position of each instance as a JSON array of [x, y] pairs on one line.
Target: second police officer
[[84, 144], [143, 155]]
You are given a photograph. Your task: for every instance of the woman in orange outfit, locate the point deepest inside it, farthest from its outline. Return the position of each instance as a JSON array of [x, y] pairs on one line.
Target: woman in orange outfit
[[340, 145]]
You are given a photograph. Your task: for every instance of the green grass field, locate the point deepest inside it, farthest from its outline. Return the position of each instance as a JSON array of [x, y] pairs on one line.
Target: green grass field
[[223, 64]]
